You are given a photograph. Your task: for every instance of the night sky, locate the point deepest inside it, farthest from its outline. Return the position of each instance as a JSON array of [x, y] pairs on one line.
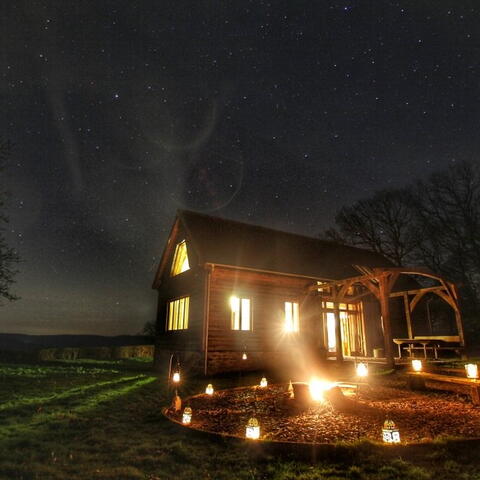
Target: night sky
[[275, 113]]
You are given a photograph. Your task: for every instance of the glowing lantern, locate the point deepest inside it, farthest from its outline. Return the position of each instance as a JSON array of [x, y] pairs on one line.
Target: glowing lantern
[[362, 369], [390, 432], [472, 370], [263, 382], [318, 388], [244, 356], [187, 416], [209, 389], [176, 377], [417, 365], [253, 429]]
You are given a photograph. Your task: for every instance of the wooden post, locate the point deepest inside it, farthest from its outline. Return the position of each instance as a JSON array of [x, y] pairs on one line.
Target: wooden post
[[408, 315], [384, 294], [338, 332]]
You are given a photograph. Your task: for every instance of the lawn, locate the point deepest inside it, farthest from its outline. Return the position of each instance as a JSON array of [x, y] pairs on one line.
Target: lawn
[[102, 420]]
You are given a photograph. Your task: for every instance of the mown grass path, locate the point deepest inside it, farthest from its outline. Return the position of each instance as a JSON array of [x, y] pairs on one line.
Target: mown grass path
[[103, 421]]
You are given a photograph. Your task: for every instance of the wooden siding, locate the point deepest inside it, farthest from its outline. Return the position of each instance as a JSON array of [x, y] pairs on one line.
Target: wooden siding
[[267, 293]]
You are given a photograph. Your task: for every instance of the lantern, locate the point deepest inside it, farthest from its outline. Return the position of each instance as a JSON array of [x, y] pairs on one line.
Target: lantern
[[263, 382], [244, 356], [253, 429], [176, 377], [390, 432], [209, 389], [187, 416], [417, 365], [362, 369], [472, 370]]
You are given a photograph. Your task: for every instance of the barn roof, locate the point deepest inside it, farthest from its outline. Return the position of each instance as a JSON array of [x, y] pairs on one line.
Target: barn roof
[[227, 242]]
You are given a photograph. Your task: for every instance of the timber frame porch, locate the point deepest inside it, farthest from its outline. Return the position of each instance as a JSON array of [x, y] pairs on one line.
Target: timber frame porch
[[380, 283]]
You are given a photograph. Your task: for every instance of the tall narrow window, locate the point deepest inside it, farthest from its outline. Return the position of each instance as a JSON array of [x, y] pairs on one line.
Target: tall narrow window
[[177, 314], [180, 259], [241, 313], [292, 323]]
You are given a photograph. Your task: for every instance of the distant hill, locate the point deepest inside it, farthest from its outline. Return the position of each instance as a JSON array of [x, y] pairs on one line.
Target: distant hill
[[26, 343]]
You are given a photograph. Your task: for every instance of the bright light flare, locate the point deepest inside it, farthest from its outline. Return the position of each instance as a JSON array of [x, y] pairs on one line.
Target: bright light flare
[[263, 382], [176, 377], [472, 370], [318, 388], [209, 389], [362, 370], [417, 365]]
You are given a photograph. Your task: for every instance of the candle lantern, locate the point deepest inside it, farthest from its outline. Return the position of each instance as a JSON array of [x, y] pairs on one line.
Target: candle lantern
[[417, 365], [209, 389], [362, 369], [244, 356], [263, 382], [472, 370], [252, 430], [187, 416], [176, 377], [390, 432]]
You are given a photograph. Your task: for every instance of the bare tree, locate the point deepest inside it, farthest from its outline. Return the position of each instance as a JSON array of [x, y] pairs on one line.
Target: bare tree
[[383, 223], [8, 256]]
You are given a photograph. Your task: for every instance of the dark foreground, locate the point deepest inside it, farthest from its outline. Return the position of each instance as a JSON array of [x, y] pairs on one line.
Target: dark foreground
[[102, 420]]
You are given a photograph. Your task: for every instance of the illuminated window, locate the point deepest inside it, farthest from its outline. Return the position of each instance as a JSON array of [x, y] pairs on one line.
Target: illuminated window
[[177, 314], [241, 313], [180, 259], [330, 304], [291, 317]]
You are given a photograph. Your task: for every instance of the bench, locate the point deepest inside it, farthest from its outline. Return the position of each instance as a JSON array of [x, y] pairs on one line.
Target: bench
[[431, 343], [416, 381]]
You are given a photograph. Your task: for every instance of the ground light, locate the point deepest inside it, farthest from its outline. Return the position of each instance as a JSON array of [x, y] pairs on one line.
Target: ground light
[[263, 382], [472, 370], [244, 356], [252, 430], [318, 389], [209, 389], [390, 432], [362, 370], [187, 416], [417, 365]]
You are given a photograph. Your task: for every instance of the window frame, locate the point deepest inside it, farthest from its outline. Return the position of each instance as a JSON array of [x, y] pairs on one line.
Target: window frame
[[295, 322], [241, 299], [173, 314], [175, 262]]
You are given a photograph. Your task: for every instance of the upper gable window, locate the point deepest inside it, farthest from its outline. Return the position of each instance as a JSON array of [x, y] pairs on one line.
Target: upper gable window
[[180, 259]]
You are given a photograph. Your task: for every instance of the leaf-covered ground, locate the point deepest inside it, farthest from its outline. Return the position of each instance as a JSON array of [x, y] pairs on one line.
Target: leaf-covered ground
[[358, 415], [102, 420]]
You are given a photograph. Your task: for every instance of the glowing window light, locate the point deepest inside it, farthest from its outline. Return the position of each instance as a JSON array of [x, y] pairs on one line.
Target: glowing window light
[[187, 416], [362, 370], [180, 260], [263, 382], [472, 370], [291, 317], [318, 388], [176, 377], [417, 365], [390, 432], [252, 430], [240, 313], [209, 389]]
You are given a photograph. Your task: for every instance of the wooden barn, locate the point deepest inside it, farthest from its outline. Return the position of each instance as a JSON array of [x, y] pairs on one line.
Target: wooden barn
[[234, 296]]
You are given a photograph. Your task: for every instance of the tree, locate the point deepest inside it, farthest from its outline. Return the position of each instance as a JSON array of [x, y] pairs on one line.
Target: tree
[[150, 329], [8, 256], [448, 208], [383, 223]]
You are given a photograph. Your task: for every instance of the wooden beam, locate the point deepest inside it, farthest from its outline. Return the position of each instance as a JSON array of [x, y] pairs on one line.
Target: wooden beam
[[414, 292], [408, 316], [338, 335], [386, 325], [416, 299]]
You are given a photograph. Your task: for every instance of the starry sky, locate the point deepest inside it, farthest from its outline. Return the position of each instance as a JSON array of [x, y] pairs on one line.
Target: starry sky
[[275, 113]]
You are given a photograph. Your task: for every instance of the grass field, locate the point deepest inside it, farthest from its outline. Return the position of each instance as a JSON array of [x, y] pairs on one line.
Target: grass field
[[102, 420]]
